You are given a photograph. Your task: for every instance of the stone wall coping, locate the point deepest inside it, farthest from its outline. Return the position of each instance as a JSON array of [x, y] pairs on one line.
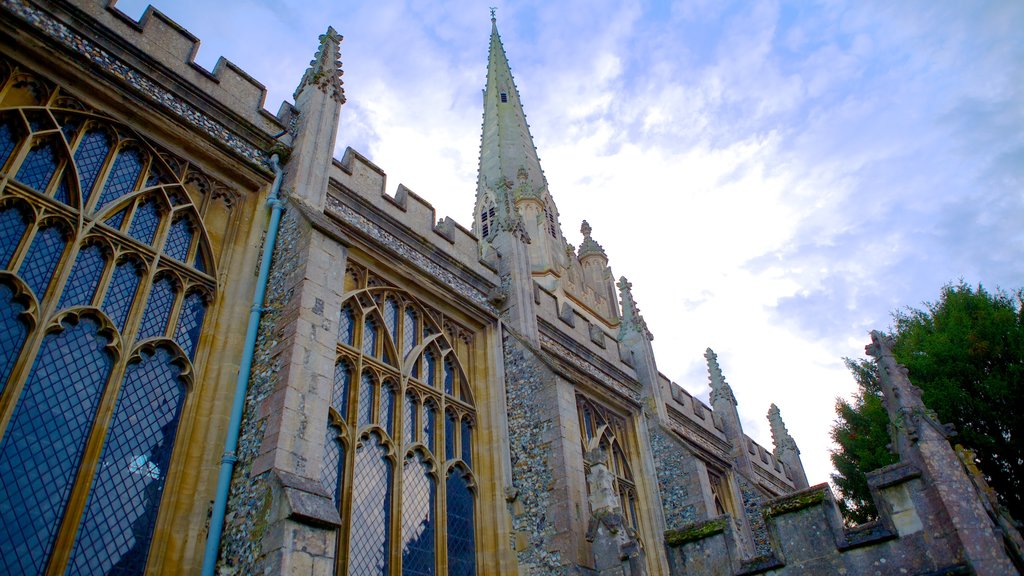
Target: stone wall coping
[[697, 530], [307, 500]]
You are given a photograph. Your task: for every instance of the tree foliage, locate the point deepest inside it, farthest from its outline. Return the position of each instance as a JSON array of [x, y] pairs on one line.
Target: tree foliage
[[966, 353]]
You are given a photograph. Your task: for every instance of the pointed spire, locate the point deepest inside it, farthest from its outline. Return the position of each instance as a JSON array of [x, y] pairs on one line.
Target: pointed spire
[[589, 246], [780, 436], [324, 70], [720, 389], [632, 321], [509, 168]]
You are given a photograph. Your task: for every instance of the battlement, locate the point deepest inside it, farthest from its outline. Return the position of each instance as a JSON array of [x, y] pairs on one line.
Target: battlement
[[357, 176], [172, 46]]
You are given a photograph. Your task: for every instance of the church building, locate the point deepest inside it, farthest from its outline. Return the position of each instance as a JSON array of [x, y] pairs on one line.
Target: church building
[[225, 351]]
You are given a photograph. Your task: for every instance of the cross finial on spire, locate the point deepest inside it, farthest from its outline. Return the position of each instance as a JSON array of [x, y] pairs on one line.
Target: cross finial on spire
[[493, 10]]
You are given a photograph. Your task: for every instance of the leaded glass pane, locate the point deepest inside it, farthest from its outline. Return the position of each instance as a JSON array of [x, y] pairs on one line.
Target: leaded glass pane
[[63, 192], [365, 406], [120, 514], [409, 423], [38, 168], [461, 536], [89, 157], [429, 368], [449, 377], [370, 544], [13, 222], [121, 293], [158, 309], [387, 408], [334, 460], [429, 424], [43, 444], [69, 127], [42, 258], [8, 141], [179, 239], [346, 325], [467, 442], [12, 332], [39, 120], [85, 276], [409, 332], [199, 262], [190, 323], [370, 337], [450, 426], [117, 219], [391, 318], [342, 384], [122, 178], [418, 505], [145, 222]]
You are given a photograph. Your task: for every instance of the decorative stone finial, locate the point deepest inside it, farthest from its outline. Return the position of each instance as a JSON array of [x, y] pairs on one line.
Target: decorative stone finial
[[589, 246], [720, 389], [324, 70], [780, 436], [632, 321], [493, 9]]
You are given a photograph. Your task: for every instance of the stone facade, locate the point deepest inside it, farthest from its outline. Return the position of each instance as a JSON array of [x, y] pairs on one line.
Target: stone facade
[[423, 395]]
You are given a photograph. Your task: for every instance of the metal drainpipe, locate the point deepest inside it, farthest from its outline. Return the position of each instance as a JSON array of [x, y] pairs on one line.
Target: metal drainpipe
[[227, 463]]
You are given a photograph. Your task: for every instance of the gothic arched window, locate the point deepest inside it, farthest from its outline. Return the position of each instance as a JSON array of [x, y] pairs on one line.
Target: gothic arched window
[[411, 394], [604, 429], [105, 281]]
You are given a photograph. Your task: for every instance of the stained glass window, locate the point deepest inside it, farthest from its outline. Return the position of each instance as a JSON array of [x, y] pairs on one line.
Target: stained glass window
[[13, 221], [89, 157], [8, 140], [124, 173], [409, 423], [467, 442], [387, 408], [190, 323], [461, 533], [145, 222], [370, 337], [43, 443], [331, 475], [449, 377], [342, 383], [370, 545], [37, 170], [117, 219], [370, 321], [429, 424], [391, 318], [365, 400], [158, 309], [121, 292], [346, 326], [179, 239], [120, 514], [450, 427], [63, 193], [409, 331], [85, 276], [418, 510], [429, 368], [12, 330], [42, 258]]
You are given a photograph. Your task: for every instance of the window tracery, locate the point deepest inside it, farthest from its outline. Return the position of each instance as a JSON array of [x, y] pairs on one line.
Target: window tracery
[[412, 400], [602, 428], [102, 305]]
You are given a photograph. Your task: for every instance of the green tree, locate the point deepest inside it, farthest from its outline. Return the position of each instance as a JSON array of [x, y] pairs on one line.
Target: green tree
[[966, 353]]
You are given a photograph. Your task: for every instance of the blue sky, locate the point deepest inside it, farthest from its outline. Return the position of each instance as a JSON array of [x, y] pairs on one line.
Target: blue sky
[[773, 177]]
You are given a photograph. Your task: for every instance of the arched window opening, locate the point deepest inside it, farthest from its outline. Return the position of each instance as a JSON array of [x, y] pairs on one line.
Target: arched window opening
[[85, 277], [451, 426], [418, 511], [370, 545], [461, 527], [38, 168], [346, 325], [466, 437], [386, 416], [121, 293], [120, 513], [43, 256], [158, 309], [124, 173], [14, 219], [44, 442], [13, 329], [90, 156]]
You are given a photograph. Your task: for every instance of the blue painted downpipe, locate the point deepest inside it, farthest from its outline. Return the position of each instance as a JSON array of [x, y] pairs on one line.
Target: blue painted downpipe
[[227, 463]]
